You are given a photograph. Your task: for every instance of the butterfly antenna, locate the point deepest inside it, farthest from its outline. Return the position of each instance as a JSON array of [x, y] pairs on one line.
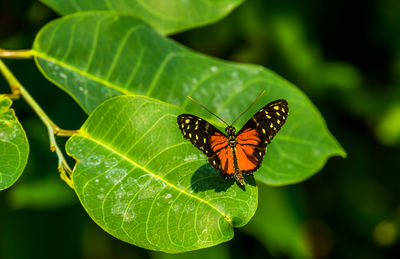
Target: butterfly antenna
[[248, 107], [207, 110]]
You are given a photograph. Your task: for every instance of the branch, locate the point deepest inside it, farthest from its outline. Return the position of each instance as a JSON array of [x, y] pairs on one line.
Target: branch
[[18, 90]]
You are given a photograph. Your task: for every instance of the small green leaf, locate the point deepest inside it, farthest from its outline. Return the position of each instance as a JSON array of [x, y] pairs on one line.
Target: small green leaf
[[167, 17], [142, 182], [94, 56], [14, 148]]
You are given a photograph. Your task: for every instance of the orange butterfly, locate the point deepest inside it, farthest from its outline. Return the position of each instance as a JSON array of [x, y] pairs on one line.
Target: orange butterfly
[[236, 154]]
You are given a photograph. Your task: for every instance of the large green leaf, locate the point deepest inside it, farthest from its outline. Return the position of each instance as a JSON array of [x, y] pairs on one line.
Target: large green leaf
[[142, 182], [166, 16], [94, 56], [14, 148]]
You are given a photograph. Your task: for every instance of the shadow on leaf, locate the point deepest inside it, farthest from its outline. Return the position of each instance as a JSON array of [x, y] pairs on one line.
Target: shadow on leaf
[[207, 178]]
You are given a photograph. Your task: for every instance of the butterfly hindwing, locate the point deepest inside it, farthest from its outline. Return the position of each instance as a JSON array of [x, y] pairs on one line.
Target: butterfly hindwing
[[257, 133], [222, 160], [250, 150]]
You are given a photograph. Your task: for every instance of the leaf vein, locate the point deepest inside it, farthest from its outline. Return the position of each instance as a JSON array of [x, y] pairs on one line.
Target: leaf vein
[[95, 41], [165, 149], [150, 129], [120, 48], [168, 214], [82, 72], [148, 217], [160, 70], [135, 69]]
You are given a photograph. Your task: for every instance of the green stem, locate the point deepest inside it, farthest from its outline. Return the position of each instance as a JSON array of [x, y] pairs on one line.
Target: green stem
[[52, 128], [18, 54]]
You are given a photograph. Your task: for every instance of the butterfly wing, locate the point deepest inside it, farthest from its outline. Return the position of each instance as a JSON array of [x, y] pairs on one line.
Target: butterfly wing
[[208, 139], [257, 133]]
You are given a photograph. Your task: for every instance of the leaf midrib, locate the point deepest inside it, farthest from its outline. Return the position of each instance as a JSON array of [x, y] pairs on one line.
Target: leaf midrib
[[87, 136], [81, 72]]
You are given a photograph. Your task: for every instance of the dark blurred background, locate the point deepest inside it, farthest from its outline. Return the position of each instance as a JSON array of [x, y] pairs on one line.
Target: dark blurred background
[[345, 55]]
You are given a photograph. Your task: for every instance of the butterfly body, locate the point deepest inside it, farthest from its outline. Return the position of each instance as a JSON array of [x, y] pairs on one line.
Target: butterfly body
[[236, 154]]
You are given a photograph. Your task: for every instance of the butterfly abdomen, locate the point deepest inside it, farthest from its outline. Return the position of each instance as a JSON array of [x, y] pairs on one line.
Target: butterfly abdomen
[[237, 172]]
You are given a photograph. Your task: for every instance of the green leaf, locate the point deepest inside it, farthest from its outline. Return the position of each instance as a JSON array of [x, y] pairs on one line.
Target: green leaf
[[167, 17], [94, 56], [14, 148], [142, 182]]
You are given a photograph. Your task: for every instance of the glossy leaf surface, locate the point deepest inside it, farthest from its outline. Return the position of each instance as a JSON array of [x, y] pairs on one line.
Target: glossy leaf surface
[[167, 17]]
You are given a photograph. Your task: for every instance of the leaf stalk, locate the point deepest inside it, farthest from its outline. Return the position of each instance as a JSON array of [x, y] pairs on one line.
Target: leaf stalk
[[18, 90], [16, 54]]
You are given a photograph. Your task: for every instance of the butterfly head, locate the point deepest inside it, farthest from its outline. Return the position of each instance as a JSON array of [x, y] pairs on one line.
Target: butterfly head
[[230, 131]]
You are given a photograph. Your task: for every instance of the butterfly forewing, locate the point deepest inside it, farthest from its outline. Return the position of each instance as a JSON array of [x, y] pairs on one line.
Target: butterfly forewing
[[268, 120], [201, 133], [257, 133]]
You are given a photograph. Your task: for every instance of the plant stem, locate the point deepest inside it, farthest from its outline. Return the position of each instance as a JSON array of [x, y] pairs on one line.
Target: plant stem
[[18, 54], [53, 130]]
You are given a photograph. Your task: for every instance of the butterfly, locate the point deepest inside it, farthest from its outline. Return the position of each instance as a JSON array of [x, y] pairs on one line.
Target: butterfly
[[235, 154]]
